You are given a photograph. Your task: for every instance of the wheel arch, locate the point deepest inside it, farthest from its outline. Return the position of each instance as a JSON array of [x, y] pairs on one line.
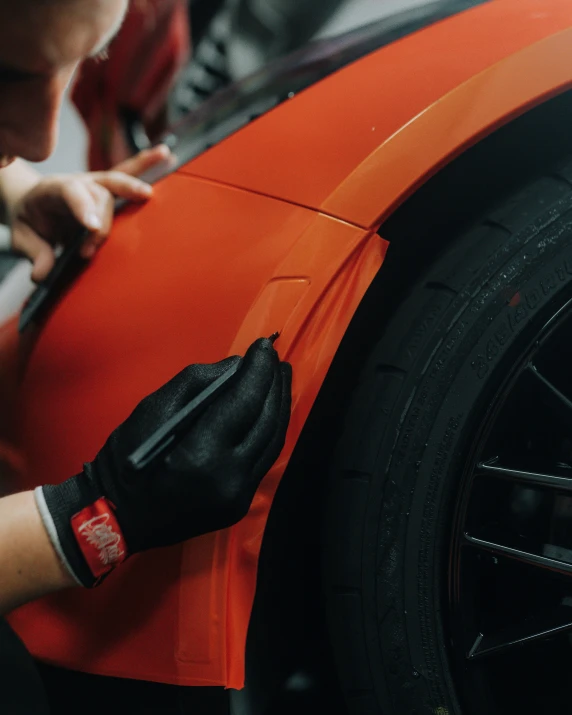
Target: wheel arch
[[418, 231]]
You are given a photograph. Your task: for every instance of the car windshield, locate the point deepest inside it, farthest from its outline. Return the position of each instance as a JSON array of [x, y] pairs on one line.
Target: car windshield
[[242, 102]]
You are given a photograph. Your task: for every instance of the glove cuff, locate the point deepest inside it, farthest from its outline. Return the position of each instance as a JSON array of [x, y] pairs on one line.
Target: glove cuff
[[83, 530]]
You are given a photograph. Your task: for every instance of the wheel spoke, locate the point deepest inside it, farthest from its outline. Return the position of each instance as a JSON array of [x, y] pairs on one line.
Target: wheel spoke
[[524, 557], [533, 629], [550, 395], [510, 571], [529, 478]]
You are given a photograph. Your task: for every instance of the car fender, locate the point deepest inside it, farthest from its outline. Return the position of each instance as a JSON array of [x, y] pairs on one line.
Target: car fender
[[175, 285], [383, 125], [316, 191]]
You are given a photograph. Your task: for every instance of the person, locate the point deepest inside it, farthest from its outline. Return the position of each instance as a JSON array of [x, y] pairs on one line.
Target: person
[[76, 532], [123, 100]]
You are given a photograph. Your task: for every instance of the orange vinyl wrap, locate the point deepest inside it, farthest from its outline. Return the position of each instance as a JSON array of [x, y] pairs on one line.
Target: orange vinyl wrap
[[195, 275], [205, 268], [357, 143]]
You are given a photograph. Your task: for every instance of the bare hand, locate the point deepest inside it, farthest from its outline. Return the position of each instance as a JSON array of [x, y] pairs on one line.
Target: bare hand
[[53, 211]]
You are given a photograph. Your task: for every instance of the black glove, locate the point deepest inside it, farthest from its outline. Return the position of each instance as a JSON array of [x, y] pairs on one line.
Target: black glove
[[207, 482]]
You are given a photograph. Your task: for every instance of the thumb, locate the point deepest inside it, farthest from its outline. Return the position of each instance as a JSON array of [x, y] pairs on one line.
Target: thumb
[[145, 160], [25, 240]]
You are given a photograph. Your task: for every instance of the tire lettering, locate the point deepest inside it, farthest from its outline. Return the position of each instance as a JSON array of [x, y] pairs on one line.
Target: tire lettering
[[492, 350], [502, 334], [532, 299], [480, 366], [548, 285]]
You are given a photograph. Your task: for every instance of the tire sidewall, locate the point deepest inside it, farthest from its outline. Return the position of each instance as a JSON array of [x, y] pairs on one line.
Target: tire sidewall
[[415, 486]]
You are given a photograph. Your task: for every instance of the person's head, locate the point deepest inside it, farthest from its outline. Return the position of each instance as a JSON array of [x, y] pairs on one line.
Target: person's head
[[41, 44]]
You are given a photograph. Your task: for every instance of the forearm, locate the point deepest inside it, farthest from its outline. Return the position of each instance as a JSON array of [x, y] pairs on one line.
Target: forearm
[[15, 181], [29, 566]]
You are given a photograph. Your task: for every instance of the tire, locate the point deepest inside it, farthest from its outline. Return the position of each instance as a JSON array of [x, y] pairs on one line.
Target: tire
[[422, 396]]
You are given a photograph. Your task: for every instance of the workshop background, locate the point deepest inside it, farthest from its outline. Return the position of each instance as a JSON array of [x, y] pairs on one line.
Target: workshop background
[[71, 151]]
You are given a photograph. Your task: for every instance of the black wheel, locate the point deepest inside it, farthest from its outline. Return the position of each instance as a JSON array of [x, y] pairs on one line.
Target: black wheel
[[448, 530]]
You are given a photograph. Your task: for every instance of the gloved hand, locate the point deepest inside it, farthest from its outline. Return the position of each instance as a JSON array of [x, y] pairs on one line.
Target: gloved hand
[[207, 482]]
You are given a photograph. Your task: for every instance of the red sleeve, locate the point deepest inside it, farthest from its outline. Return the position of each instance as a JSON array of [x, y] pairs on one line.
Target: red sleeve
[[151, 48]]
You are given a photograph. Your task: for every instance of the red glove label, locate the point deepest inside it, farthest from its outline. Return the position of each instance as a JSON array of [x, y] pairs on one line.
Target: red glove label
[[99, 537]]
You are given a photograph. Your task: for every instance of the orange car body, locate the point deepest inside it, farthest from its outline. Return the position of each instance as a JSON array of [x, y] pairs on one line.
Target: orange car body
[[273, 229]]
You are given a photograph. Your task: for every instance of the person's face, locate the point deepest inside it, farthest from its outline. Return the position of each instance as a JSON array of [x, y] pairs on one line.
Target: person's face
[[41, 44]]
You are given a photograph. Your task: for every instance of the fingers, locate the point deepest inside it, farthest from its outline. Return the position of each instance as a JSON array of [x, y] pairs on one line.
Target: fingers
[[265, 440], [122, 181], [91, 201], [92, 206], [145, 160], [180, 390], [25, 240], [79, 200], [123, 185], [105, 213], [191, 381], [233, 414], [47, 215]]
